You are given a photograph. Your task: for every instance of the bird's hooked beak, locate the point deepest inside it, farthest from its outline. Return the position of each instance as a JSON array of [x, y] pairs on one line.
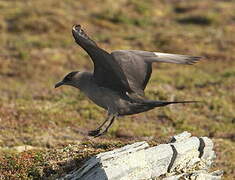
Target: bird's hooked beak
[[59, 84]]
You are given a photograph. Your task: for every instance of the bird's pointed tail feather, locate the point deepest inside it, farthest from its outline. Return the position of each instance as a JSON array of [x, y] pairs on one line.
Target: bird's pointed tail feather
[[165, 103]]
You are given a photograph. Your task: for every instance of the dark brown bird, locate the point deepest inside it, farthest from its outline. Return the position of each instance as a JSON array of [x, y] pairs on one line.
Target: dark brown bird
[[119, 79]]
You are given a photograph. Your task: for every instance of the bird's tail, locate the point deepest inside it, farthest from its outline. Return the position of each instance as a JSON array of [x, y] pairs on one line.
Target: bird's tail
[[141, 105], [165, 103]]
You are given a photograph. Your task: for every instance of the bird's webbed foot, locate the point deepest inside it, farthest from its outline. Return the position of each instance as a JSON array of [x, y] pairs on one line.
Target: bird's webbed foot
[[101, 129], [97, 133], [94, 132]]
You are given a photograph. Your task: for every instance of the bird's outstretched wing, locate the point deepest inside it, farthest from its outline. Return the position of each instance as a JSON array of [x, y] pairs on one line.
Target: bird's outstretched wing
[[137, 65], [107, 71], [126, 71]]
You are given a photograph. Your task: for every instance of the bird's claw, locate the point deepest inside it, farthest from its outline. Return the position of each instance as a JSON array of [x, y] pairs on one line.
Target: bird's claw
[[96, 133]]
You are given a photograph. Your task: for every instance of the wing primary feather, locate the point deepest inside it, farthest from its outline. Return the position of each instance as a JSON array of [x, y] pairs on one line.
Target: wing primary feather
[[175, 58]]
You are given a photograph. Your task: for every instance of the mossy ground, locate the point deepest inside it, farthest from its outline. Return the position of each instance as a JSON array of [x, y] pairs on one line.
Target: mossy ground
[[37, 50]]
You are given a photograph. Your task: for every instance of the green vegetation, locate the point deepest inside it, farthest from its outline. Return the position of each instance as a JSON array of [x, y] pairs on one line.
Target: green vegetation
[[37, 50]]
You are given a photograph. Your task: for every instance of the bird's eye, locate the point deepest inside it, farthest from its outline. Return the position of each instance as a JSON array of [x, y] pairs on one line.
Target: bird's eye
[[67, 78], [70, 76]]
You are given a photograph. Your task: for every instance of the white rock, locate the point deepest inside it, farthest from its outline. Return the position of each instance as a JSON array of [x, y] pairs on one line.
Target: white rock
[[185, 157]]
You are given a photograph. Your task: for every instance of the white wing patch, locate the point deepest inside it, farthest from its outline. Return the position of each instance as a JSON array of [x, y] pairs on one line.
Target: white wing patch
[[176, 58]]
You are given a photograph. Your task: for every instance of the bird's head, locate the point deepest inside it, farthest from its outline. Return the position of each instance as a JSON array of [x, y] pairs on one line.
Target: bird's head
[[71, 79]]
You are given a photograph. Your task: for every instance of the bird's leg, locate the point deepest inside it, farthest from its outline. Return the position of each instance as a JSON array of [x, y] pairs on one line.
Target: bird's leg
[[106, 129], [98, 132]]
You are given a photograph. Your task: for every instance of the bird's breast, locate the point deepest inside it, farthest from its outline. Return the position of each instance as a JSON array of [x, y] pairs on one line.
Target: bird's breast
[[115, 102], [104, 97]]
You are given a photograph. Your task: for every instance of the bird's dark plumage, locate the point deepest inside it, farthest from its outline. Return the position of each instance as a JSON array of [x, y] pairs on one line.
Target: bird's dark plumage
[[119, 78]]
